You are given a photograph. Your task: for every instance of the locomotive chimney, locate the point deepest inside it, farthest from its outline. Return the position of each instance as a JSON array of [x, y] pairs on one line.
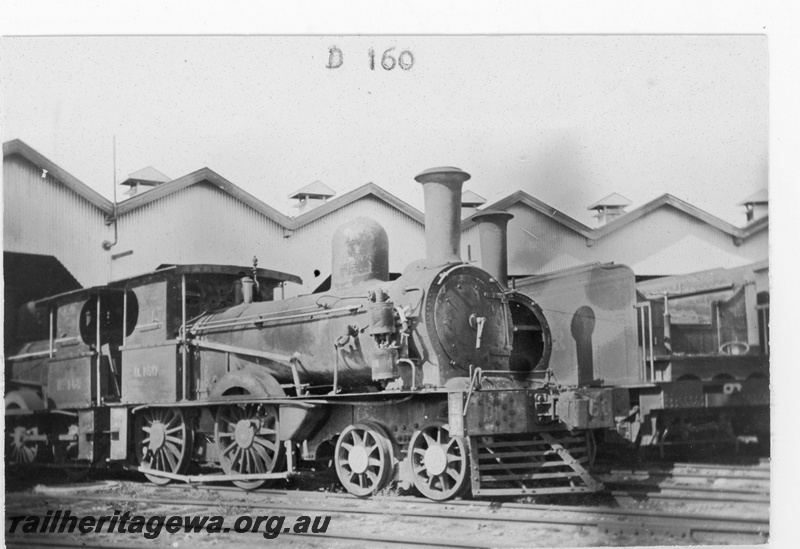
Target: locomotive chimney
[[493, 232], [442, 187]]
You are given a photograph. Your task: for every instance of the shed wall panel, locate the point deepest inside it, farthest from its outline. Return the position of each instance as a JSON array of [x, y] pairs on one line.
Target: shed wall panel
[[43, 216], [756, 248], [538, 245], [667, 241], [199, 224]]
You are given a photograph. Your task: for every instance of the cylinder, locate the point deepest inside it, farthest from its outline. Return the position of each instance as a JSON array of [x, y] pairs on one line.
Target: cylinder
[[493, 233], [442, 188], [360, 253]]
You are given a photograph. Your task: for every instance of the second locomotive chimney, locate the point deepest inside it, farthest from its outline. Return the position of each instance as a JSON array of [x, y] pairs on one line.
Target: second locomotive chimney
[[442, 187], [493, 233]]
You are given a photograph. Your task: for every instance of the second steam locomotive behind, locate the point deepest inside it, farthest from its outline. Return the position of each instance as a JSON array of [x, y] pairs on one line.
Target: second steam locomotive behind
[[438, 379]]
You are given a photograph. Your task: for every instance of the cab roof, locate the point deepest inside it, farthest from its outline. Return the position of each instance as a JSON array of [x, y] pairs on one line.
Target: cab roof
[[207, 268]]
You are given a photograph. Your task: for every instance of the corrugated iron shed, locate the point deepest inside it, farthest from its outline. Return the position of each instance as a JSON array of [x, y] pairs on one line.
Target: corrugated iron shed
[[204, 218]]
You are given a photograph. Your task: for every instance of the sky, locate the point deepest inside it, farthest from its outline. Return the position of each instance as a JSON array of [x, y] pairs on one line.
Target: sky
[[568, 119]]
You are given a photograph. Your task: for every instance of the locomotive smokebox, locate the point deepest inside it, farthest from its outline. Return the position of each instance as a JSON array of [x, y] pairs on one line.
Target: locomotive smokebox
[[442, 187], [360, 253], [493, 232]]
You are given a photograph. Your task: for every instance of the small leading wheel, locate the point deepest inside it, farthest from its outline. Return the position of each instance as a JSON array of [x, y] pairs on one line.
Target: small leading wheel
[[363, 459], [247, 441], [163, 441], [20, 449], [439, 462]]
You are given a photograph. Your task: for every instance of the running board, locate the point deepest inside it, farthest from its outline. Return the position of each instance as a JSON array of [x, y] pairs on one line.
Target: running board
[[216, 477], [544, 463], [222, 477]]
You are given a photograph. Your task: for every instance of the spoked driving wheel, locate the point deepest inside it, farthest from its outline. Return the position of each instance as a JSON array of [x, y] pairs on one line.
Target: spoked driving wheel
[[248, 442], [439, 462], [163, 441], [22, 446], [363, 459]]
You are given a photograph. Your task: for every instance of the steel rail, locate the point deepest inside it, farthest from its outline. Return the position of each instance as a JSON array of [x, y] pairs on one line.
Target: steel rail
[[405, 542], [41, 541], [657, 492], [763, 464], [681, 474], [666, 482], [636, 486], [693, 467]]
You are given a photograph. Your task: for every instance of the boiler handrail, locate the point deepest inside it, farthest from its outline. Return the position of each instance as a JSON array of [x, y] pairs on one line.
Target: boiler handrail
[[200, 327]]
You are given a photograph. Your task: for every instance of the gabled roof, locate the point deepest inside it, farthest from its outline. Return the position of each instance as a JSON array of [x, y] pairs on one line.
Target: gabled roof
[[146, 176], [610, 201], [524, 198], [469, 198], [758, 197], [204, 175], [369, 189], [315, 189], [755, 226], [660, 202], [18, 147], [595, 234]]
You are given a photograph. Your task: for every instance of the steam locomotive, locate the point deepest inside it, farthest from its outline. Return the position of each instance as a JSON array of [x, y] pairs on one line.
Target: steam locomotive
[[444, 379]]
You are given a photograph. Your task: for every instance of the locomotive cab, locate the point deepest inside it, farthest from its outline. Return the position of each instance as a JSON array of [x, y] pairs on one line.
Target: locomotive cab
[[158, 307]]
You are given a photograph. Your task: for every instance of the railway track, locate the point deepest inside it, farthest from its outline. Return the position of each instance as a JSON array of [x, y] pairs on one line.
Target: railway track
[[740, 513], [683, 483], [636, 522]]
